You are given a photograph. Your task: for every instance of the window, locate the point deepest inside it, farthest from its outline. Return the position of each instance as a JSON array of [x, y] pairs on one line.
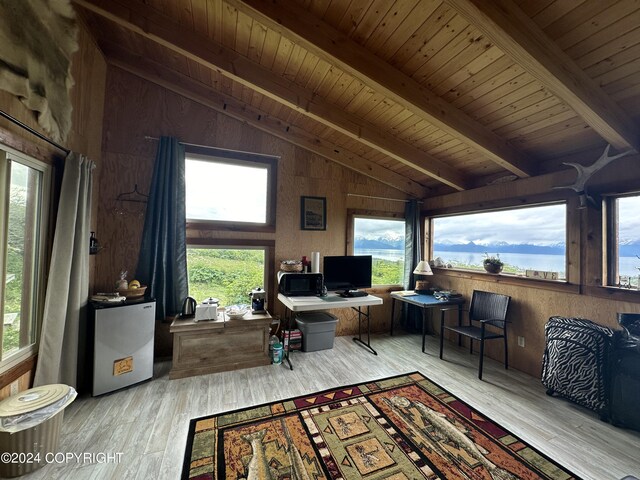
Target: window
[[531, 238], [383, 239], [624, 235], [24, 208], [228, 274], [224, 188], [229, 191]]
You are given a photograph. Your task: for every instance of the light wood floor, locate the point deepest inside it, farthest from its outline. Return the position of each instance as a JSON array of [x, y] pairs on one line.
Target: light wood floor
[[148, 423]]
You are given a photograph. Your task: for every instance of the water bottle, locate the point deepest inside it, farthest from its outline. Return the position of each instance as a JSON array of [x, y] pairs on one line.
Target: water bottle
[[272, 341], [277, 353]]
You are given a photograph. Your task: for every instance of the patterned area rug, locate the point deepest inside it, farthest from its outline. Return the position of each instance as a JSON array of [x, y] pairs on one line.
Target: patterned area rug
[[404, 427]]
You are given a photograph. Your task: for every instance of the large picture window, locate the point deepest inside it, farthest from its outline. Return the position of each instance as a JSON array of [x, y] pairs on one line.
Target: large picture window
[[383, 239], [624, 241], [230, 189], [23, 208], [228, 274], [531, 238]]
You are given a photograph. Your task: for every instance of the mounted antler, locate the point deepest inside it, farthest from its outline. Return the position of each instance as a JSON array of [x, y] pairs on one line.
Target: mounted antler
[[585, 173]]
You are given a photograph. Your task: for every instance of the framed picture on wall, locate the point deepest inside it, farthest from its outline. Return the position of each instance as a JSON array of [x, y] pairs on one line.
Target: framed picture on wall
[[313, 213]]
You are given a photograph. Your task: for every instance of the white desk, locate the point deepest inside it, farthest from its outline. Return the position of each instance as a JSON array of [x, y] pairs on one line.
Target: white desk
[[332, 300], [328, 302]]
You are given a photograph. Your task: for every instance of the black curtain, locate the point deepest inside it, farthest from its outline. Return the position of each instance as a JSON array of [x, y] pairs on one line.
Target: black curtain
[[162, 264], [411, 316]]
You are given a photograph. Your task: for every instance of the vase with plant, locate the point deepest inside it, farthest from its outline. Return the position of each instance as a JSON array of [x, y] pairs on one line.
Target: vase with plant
[[492, 263]]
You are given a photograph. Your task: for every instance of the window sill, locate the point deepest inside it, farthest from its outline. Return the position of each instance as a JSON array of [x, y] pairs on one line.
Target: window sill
[[382, 289], [509, 279], [613, 293], [205, 225], [16, 368]]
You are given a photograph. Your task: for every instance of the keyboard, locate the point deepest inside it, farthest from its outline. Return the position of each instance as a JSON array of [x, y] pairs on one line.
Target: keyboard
[[354, 294]]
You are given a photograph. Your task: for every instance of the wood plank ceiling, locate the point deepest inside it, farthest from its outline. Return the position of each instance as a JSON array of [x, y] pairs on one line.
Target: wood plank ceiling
[[428, 96]]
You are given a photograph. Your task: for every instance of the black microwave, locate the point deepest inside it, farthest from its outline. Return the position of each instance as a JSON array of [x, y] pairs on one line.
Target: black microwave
[[299, 284]]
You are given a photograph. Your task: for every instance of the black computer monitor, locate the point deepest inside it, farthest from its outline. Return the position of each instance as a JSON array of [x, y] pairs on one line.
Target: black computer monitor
[[347, 272]]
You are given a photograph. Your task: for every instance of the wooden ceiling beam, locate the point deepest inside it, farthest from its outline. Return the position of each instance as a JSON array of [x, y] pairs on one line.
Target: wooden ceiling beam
[[227, 105], [143, 20], [294, 22], [519, 37]]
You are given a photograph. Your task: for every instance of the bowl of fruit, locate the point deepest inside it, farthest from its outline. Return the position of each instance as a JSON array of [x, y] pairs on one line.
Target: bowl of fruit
[[235, 312], [134, 290]]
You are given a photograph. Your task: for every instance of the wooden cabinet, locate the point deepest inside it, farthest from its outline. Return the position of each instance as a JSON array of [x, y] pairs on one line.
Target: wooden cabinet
[[208, 347]]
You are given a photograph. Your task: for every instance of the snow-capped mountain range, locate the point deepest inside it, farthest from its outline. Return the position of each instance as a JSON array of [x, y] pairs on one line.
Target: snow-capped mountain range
[[386, 242], [626, 248]]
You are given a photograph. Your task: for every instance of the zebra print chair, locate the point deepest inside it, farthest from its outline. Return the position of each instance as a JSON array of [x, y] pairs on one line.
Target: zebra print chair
[[486, 308]]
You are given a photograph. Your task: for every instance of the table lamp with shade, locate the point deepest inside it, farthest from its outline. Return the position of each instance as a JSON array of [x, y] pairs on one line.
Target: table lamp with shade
[[423, 268]]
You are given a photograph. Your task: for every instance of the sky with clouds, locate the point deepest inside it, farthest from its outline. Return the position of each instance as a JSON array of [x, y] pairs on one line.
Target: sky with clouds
[[629, 215], [543, 225], [225, 192], [228, 192], [375, 228]]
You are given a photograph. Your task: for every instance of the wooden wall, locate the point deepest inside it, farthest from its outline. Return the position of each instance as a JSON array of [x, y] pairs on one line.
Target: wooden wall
[[87, 96], [529, 311], [137, 108], [533, 302]]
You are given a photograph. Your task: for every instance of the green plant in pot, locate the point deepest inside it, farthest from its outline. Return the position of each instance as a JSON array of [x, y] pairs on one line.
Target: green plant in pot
[[492, 263]]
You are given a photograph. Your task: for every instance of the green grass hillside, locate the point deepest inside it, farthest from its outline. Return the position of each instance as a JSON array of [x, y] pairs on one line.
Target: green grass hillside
[[227, 274], [230, 274]]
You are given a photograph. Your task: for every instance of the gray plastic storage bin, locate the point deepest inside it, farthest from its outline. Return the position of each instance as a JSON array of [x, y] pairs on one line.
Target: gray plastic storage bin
[[318, 330]]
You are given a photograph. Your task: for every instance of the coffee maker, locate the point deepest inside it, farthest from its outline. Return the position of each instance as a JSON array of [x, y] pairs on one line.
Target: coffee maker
[[258, 299]]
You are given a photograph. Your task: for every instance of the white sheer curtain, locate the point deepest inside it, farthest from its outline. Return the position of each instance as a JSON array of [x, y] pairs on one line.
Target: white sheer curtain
[[61, 345]]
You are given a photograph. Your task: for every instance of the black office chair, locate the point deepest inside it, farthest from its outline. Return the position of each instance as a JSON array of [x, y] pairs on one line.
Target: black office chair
[[488, 309]]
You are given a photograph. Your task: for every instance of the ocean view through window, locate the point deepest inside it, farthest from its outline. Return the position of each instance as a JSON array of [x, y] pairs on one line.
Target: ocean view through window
[[531, 238], [383, 239], [626, 240]]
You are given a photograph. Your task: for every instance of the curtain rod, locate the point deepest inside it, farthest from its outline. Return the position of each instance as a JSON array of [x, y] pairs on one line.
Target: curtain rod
[[380, 198], [31, 130], [155, 139]]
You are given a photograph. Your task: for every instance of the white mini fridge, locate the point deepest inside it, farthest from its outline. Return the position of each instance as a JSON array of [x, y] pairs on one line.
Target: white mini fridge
[[122, 341]]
